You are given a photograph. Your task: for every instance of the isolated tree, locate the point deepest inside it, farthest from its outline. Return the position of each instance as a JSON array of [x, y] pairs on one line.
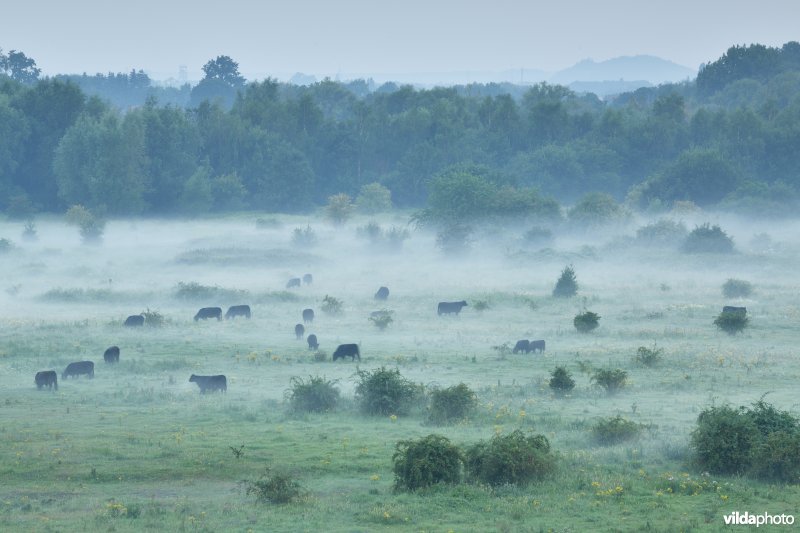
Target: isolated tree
[[374, 198], [224, 69], [567, 284], [19, 67]]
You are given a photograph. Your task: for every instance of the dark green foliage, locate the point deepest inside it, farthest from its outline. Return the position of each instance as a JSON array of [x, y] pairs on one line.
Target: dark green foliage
[[515, 458], [777, 457], [567, 284], [664, 232], [596, 209], [339, 209], [425, 462], [384, 391], [731, 323], [91, 226], [317, 395], [614, 430], [374, 198], [649, 356], [707, 239], [586, 321], [452, 404], [611, 380], [274, 487], [737, 288], [561, 381], [197, 292]]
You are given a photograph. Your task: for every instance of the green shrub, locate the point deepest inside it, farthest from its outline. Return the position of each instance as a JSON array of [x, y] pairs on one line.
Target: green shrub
[[196, 291], [614, 430], [153, 319], [331, 305], [480, 305], [731, 323], [391, 239], [452, 404], [339, 208], [586, 321], [304, 238], [649, 356], [777, 457], [596, 209], [384, 391], [737, 288], [514, 458], [561, 381], [610, 380], [274, 487], [382, 319], [665, 232], [724, 439], [374, 198], [425, 462], [567, 284], [317, 395], [707, 239], [91, 226]]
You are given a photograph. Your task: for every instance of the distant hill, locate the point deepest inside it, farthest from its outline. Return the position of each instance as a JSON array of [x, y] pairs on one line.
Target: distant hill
[[628, 68]]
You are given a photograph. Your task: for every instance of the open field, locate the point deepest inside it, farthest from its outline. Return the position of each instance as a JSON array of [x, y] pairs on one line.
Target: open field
[[138, 448]]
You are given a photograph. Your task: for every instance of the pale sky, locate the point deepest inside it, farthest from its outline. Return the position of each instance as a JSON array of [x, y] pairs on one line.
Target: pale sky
[[278, 37]]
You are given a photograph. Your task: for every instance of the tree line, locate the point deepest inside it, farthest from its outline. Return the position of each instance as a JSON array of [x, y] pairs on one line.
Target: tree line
[[728, 138]]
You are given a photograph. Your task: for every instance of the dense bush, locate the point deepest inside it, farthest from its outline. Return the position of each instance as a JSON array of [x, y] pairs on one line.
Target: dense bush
[[425, 462], [374, 198], [567, 284], [454, 238], [304, 238], [737, 288], [586, 321], [382, 319], [339, 209], [614, 430], [331, 305], [274, 487], [596, 209], [389, 239], [153, 319], [664, 232], [452, 404], [91, 226], [195, 291], [317, 395], [384, 391], [731, 323], [561, 381], [707, 239], [610, 380], [515, 458], [649, 356]]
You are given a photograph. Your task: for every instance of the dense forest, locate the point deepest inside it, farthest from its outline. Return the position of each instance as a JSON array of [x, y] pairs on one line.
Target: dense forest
[[121, 145]]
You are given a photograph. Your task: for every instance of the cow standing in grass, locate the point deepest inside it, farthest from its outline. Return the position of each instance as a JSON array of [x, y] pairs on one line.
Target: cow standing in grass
[[347, 350], [46, 378], [111, 355], [208, 312], [237, 310], [79, 368], [446, 308], [210, 383]]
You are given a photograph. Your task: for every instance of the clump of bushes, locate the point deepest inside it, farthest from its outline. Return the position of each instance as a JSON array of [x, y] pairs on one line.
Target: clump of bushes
[[425, 462], [274, 487], [567, 284], [515, 458], [612, 381], [382, 319], [762, 441], [384, 391], [615, 429], [339, 209], [331, 305], [561, 381], [304, 238], [586, 321], [374, 198], [649, 357], [737, 288], [153, 319], [197, 291], [317, 395], [707, 239], [91, 226], [664, 232], [731, 323], [452, 404]]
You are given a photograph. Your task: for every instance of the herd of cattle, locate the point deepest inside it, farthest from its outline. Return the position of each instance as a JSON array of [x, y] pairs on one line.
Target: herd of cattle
[[49, 378]]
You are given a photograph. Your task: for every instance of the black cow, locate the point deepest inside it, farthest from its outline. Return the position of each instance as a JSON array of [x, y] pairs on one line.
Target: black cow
[[446, 308], [522, 346], [237, 310], [347, 350], [299, 330], [46, 378], [735, 310], [312, 342], [78, 368], [134, 321], [208, 312], [382, 294], [210, 383], [308, 279], [537, 345], [308, 315], [294, 282], [111, 355]]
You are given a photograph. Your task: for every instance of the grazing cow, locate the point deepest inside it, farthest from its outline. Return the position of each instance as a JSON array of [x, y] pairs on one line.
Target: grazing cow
[[733, 310], [134, 321], [208, 312], [522, 346], [299, 330], [312, 342], [308, 315], [308, 279], [537, 345], [382, 294], [294, 282], [111, 355], [446, 308], [78, 368], [210, 383], [237, 310], [47, 378], [347, 350]]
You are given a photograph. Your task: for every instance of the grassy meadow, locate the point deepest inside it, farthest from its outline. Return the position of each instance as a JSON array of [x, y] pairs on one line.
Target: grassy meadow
[[138, 448]]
